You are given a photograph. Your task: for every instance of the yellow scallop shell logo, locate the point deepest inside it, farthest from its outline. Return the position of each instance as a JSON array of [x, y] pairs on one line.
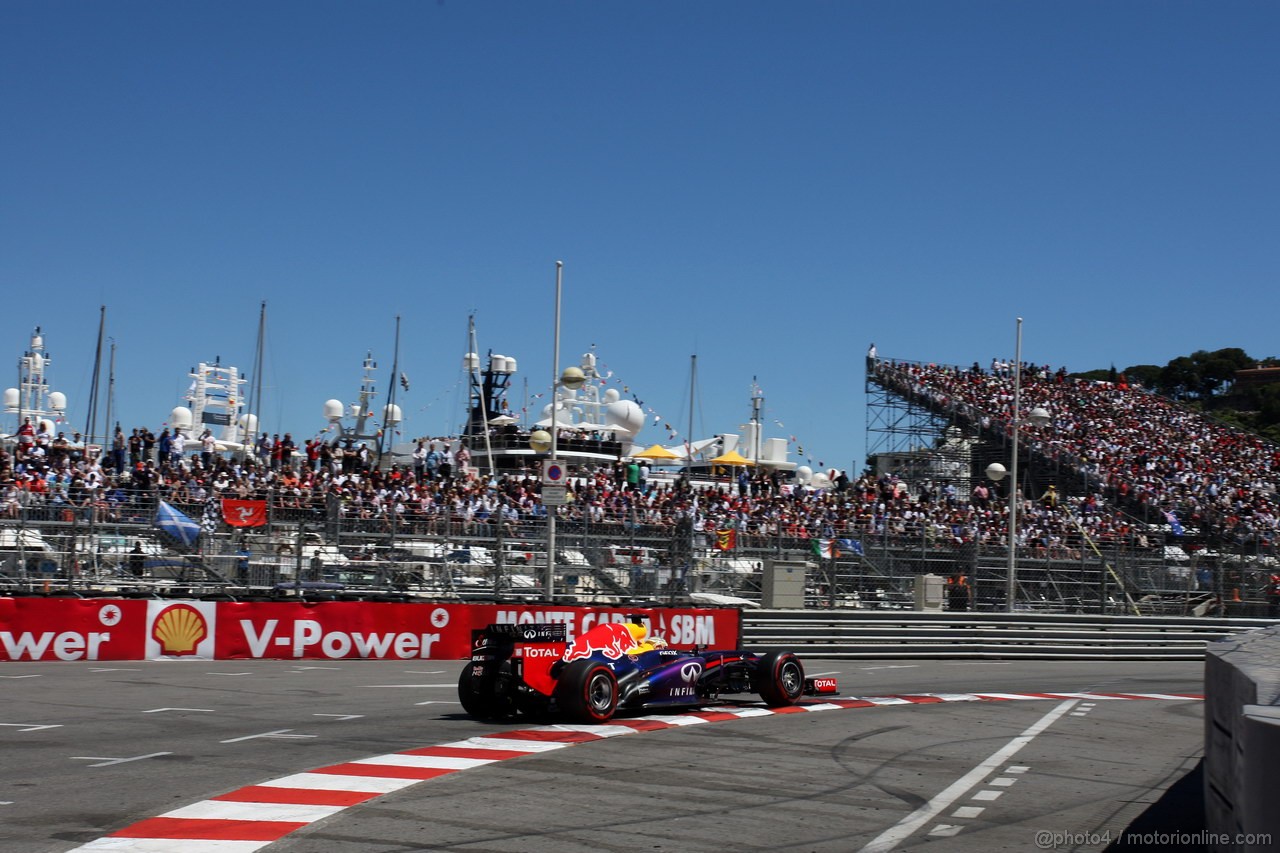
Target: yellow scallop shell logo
[[179, 629]]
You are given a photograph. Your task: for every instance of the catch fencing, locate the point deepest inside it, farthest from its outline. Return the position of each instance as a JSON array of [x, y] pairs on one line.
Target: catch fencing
[[604, 559]]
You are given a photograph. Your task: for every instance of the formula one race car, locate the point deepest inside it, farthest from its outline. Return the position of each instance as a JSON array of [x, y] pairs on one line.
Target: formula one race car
[[532, 669]]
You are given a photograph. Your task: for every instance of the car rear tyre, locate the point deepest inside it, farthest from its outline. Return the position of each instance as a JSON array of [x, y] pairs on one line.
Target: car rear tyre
[[476, 693], [781, 679], [587, 691]]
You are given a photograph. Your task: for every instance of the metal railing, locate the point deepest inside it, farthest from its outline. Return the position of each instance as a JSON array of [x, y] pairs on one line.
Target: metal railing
[[856, 635]]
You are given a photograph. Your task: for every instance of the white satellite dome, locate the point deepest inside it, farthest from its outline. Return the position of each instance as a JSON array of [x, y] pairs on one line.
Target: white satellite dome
[[804, 474], [820, 481], [11, 399], [180, 418], [471, 362], [37, 341], [627, 415], [333, 410], [611, 395], [249, 424], [392, 415], [58, 401]]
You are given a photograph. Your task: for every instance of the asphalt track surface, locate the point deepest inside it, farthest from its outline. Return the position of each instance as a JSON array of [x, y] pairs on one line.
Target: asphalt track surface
[[90, 749]]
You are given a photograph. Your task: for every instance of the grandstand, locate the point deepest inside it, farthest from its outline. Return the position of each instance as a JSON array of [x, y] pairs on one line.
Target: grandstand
[[1176, 510]]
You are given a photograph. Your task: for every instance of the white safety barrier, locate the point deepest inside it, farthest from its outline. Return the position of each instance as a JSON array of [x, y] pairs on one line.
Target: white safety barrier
[[1242, 740]]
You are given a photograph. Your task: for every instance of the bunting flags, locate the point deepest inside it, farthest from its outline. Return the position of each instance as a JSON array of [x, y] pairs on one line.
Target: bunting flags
[[726, 540]]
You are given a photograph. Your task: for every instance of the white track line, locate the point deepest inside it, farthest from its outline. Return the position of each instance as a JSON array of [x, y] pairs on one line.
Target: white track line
[[903, 829]]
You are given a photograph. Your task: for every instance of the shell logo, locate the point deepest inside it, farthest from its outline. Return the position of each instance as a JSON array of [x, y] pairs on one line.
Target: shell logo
[[179, 630]]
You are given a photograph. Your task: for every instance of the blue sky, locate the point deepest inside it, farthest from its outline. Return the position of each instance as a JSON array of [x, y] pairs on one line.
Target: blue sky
[[770, 186]]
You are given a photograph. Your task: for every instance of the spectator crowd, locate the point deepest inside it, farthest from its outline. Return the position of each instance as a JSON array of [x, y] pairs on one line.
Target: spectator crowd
[[1133, 450]]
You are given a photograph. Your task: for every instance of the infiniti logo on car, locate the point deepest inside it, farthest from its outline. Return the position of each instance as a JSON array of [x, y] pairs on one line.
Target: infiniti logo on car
[[690, 671]]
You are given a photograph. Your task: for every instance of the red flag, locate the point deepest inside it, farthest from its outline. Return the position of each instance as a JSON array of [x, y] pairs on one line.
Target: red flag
[[726, 539], [244, 513]]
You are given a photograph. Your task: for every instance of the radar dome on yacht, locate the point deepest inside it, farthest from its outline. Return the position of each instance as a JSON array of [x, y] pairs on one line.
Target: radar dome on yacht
[[626, 415], [588, 361], [180, 418], [804, 474], [11, 398], [37, 341], [471, 362], [511, 365], [333, 410], [391, 415], [612, 395], [249, 424], [58, 401]]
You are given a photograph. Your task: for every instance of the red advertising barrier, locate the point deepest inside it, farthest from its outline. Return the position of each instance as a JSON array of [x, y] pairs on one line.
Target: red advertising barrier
[[110, 629]]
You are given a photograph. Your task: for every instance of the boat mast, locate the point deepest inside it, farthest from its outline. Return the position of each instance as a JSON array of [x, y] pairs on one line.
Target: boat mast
[[693, 395], [251, 418], [91, 423], [757, 406], [108, 442], [389, 419], [479, 386]]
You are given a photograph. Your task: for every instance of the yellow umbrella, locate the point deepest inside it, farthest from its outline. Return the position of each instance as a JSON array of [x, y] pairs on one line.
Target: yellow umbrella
[[656, 452], [733, 457]]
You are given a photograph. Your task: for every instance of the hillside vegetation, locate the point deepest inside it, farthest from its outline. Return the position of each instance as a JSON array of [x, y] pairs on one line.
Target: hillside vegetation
[[1204, 381]]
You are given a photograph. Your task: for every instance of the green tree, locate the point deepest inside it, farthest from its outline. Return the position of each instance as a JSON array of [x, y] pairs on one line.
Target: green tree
[[1180, 378], [1146, 375]]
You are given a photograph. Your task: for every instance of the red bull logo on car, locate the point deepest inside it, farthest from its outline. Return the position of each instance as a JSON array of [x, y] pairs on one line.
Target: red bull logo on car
[[611, 639]]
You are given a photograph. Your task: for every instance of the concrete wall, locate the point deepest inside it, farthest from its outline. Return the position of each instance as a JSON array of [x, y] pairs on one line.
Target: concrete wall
[[1242, 740]]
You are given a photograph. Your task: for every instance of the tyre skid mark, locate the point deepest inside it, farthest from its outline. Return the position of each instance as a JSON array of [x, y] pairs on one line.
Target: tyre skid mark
[[285, 805]]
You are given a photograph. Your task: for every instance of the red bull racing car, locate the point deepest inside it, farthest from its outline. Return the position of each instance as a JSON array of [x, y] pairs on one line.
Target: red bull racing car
[[533, 669]]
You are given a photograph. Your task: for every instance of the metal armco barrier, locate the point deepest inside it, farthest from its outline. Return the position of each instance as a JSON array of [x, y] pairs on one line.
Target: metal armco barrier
[[906, 634]]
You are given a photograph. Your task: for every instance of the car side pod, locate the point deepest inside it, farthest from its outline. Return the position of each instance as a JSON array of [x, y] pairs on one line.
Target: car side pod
[[587, 691]]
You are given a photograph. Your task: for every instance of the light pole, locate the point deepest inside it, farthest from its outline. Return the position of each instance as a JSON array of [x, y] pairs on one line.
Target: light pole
[[996, 471], [541, 441]]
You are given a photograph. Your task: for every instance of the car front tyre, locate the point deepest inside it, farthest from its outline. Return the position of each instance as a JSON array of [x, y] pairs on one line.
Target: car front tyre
[[780, 679]]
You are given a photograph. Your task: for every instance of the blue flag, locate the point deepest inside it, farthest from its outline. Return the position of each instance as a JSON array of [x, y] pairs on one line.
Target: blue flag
[[850, 546], [176, 526], [1174, 524]]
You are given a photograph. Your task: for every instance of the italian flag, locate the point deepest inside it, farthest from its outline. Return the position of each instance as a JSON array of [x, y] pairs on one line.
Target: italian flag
[[825, 548]]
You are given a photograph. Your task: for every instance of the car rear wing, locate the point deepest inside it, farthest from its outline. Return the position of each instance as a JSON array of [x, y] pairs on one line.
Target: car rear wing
[[544, 633]]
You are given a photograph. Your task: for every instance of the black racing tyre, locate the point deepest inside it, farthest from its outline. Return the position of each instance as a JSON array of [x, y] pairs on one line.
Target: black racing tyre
[[587, 691], [780, 679], [476, 693]]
